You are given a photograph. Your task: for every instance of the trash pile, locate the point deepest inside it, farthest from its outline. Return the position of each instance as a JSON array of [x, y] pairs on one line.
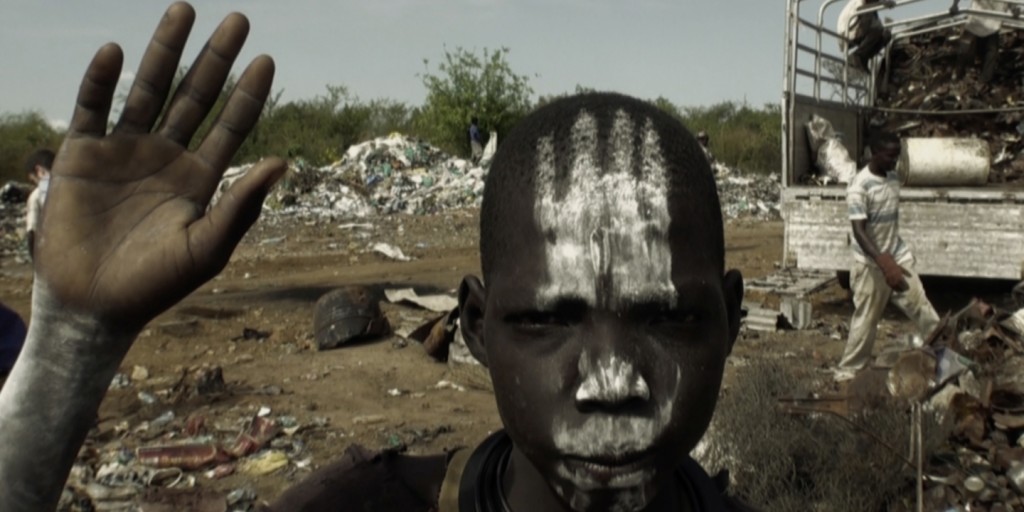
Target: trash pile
[[386, 175], [924, 76], [830, 155], [162, 459], [981, 357], [12, 219], [749, 195], [401, 174]]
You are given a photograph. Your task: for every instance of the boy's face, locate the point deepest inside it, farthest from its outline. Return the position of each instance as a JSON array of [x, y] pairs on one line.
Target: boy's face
[[606, 332]]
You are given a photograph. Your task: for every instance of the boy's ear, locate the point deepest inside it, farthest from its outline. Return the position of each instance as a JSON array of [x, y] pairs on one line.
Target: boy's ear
[[732, 286], [472, 299]]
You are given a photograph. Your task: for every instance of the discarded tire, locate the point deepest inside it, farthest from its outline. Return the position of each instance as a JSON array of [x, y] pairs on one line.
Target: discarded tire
[[348, 314]]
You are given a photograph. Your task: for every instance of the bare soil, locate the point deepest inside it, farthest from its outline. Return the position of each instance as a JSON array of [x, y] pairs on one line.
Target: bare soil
[[342, 396]]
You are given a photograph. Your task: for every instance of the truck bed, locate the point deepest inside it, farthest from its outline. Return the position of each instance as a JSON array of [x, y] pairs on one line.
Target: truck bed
[[970, 232]]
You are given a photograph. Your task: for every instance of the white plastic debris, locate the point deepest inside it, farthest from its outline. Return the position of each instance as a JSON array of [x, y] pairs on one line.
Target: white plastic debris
[[390, 251]]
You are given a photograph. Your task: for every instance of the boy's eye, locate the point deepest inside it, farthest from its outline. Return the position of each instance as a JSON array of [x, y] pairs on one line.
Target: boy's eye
[[538, 319], [674, 317]]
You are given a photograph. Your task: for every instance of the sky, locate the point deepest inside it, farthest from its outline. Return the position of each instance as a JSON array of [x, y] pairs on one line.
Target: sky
[[691, 52]]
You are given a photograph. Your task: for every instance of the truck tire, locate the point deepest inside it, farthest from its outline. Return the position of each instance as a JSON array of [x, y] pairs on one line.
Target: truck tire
[[348, 314]]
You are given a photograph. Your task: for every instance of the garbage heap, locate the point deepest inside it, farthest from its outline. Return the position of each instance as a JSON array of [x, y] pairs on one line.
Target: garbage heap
[[751, 196], [924, 76], [402, 174], [386, 175], [985, 403], [12, 217]]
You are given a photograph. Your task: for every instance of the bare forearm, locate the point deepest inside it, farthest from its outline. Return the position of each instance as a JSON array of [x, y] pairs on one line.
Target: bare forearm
[[860, 235], [49, 402]]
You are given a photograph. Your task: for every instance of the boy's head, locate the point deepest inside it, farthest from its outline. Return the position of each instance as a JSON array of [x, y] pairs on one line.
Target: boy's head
[[607, 314], [38, 164]]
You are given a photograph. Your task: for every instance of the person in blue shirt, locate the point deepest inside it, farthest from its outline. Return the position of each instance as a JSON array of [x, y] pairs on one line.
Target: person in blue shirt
[[476, 140]]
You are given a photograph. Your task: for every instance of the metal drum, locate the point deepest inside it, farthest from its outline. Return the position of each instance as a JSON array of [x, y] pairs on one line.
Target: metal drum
[[944, 162]]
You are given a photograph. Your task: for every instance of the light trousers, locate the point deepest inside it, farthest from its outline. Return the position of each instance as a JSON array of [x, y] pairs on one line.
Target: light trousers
[[870, 296]]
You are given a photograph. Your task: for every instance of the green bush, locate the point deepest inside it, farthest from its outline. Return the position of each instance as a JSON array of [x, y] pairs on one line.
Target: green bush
[[464, 85], [468, 85], [20, 135], [742, 137]]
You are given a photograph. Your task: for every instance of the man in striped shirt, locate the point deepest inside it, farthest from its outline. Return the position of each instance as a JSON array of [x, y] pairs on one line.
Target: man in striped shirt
[[883, 264]]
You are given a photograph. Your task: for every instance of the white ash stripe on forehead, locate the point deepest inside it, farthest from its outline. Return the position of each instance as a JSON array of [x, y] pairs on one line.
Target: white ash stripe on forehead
[[607, 235]]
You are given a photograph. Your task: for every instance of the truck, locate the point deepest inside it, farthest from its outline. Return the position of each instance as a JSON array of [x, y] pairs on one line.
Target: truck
[[960, 231]]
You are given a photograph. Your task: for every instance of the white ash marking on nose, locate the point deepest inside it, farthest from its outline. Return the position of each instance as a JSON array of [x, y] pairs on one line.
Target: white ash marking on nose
[[608, 235], [604, 434], [610, 380]]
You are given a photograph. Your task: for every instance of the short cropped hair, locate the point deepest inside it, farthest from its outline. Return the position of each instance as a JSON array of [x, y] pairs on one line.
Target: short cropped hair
[[883, 140], [40, 157], [509, 186]]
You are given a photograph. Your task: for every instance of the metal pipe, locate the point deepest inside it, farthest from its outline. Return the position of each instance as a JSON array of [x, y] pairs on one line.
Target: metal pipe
[[794, 15], [919, 431], [819, 55], [817, 43], [975, 111]]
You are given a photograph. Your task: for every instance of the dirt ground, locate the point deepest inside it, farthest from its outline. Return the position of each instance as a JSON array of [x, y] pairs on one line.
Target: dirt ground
[[344, 396]]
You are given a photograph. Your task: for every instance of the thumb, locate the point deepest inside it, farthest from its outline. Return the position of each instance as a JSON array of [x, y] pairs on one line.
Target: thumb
[[219, 231]]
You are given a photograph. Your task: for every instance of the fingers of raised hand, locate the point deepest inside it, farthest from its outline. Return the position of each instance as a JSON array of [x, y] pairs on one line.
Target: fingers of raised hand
[[96, 93], [200, 88], [239, 115], [157, 69], [216, 236]]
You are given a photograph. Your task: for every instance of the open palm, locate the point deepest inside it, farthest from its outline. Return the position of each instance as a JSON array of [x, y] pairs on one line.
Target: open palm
[[126, 230]]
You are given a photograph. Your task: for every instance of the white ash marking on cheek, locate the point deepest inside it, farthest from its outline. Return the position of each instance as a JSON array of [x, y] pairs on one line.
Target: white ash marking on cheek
[[610, 230], [612, 380]]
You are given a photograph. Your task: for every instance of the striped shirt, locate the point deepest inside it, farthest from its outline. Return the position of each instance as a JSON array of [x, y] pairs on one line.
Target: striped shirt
[[877, 200]]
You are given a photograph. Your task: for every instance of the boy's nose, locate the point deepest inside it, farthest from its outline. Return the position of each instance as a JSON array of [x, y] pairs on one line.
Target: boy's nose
[[609, 381]]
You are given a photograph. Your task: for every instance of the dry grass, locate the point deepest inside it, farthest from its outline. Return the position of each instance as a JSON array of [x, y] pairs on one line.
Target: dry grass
[[781, 462]]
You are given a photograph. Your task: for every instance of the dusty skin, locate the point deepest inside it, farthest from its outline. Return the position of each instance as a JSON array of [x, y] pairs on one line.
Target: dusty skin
[[283, 265]]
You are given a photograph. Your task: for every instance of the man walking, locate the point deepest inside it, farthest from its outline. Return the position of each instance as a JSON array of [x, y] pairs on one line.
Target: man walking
[[883, 264]]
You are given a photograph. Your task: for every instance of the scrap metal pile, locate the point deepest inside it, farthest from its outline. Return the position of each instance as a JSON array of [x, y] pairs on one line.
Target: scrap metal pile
[[970, 373], [986, 406], [924, 77]]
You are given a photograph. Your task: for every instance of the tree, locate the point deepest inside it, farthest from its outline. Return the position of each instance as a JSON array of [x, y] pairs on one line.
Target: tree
[[468, 85], [670, 108], [548, 98], [317, 130], [20, 135]]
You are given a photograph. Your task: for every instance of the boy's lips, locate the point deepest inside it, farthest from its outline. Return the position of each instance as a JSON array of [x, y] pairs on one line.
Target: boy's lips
[[613, 471]]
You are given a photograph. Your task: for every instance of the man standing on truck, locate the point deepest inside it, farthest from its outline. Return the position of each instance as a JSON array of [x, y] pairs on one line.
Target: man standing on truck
[[883, 264], [864, 31]]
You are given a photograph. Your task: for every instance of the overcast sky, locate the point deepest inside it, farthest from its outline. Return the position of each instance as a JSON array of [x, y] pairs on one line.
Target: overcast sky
[[692, 52]]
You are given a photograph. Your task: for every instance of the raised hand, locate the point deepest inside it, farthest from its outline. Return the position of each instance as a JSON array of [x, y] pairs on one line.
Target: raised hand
[[126, 232]]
